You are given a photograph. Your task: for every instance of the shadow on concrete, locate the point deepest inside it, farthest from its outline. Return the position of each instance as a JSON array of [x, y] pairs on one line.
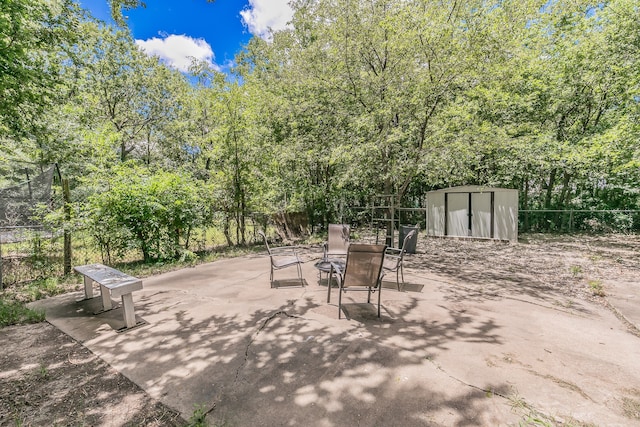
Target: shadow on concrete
[[280, 366]]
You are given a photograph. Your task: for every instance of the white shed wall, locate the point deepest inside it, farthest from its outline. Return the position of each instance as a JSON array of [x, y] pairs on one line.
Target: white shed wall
[[481, 215], [435, 214], [506, 215], [457, 214], [448, 212]]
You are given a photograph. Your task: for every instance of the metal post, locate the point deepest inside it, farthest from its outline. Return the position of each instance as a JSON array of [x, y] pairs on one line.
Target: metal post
[[393, 221], [1, 283], [425, 204], [66, 195], [571, 221]]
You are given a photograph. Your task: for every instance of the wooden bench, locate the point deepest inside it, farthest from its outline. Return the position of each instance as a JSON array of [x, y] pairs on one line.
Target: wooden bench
[[113, 283]]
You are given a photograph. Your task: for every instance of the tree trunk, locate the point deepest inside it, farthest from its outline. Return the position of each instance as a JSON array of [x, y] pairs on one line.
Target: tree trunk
[[243, 228], [550, 185], [563, 200], [225, 230]]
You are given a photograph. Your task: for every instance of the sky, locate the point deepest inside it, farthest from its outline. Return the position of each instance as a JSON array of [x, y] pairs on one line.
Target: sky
[[175, 30]]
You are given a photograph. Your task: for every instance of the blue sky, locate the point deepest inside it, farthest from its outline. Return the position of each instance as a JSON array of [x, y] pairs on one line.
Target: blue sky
[[175, 30]]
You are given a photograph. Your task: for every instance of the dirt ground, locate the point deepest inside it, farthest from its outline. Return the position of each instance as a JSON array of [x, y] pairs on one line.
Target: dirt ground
[[47, 378], [576, 266]]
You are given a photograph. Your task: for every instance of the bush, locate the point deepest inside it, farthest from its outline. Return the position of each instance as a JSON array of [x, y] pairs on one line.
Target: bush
[[152, 212]]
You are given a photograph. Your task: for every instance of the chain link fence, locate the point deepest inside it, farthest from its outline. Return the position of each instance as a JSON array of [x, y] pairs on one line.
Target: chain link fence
[[579, 221], [30, 253]]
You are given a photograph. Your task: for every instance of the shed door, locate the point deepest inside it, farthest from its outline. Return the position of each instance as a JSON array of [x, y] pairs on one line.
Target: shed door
[[457, 214], [481, 217]]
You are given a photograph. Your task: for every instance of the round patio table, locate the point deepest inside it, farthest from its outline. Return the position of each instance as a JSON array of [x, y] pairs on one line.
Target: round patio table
[[324, 266]]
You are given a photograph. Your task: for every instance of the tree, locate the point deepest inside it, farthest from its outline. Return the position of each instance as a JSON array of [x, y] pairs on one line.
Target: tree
[[359, 88], [122, 87], [566, 96], [32, 35]]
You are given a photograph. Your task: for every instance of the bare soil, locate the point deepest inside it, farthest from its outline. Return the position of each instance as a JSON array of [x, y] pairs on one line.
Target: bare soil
[[579, 266], [47, 378]]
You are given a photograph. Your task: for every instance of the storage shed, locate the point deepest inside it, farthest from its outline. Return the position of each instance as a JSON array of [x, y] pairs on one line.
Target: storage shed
[[473, 211]]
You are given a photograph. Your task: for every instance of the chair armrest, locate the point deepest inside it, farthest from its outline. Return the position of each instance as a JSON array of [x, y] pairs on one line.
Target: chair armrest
[[392, 259], [276, 248], [335, 268], [282, 250]]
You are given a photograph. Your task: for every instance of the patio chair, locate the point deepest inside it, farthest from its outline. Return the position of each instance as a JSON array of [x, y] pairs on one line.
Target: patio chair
[[337, 241], [362, 272], [283, 257], [394, 257]]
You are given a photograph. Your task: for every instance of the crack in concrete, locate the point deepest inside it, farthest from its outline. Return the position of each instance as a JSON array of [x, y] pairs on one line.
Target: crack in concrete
[[255, 335], [514, 400], [246, 352], [484, 390], [631, 327]]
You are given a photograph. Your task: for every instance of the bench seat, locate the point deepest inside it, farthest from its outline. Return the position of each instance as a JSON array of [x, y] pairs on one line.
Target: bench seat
[[113, 283]]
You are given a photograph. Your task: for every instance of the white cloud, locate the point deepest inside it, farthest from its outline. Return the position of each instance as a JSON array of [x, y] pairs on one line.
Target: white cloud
[[177, 51], [262, 15]]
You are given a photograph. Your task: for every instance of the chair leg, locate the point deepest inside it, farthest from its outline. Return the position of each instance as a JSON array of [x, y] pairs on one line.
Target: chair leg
[[402, 274], [300, 275], [379, 293], [271, 275], [397, 279], [339, 303]]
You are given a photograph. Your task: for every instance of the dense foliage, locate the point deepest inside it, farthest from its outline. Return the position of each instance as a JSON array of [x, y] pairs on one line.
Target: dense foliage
[[155, 213], [357, 98]]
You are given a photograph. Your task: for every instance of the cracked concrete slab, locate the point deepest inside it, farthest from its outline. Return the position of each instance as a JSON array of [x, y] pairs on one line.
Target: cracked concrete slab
[[219, 337]]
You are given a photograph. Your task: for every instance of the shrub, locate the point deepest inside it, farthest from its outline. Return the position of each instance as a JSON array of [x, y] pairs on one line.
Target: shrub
[[152, 212]]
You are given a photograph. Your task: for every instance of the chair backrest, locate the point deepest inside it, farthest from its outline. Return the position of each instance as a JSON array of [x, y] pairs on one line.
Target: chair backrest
[[338, 239], [364, 265], [264, 237]]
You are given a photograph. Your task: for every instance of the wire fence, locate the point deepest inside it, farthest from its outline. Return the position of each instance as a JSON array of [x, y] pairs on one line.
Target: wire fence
[[30, 253], [529, 220], [579, 221]]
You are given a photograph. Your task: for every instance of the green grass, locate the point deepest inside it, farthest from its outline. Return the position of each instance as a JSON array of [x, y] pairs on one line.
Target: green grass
[[197, 419], [597, 288], [14, 298], [39, 289], [16, 313], [576, 270]]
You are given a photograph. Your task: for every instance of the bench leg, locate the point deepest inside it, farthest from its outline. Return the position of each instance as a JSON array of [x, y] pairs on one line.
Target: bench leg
[[88, 288], [129, 314], [106, 298]]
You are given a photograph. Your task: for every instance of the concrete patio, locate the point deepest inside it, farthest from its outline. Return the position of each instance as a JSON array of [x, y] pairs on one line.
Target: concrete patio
[[220, 338]]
